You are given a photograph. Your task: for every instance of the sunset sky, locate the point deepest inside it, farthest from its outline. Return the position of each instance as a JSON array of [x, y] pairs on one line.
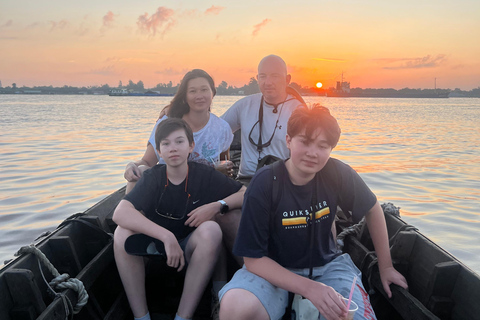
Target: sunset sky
[[376, 44]]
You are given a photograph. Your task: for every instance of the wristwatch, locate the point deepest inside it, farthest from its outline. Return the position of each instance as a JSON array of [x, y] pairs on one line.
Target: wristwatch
[[224, 208]]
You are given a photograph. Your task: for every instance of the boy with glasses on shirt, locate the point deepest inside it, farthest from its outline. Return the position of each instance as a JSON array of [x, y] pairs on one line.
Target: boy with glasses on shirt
[[171, 211]]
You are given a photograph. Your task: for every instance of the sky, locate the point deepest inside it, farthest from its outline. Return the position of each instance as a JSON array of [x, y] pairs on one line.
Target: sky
[[373, 44]]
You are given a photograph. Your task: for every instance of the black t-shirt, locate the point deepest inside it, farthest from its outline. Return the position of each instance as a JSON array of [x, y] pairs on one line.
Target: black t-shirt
[[284, 235], [168, 206]]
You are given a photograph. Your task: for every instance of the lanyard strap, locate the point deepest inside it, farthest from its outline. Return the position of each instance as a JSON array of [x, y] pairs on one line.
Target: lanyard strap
[[312, 225]]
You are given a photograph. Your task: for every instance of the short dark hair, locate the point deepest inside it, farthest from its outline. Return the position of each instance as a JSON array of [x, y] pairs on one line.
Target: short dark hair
[[312, 119], [179, 106], [170, 125]]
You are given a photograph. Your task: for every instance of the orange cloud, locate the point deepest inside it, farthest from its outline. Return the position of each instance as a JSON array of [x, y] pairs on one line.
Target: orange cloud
[[258, 27], [7, 24], [414, 63], [172, 71], [329, 59], [116, 59], [215, 10], [34, 25], [58, 25], [108, 19], [105, 71], [161, 21]]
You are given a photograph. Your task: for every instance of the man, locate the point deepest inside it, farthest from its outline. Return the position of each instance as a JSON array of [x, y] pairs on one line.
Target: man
[[284, 206], [263, 117]]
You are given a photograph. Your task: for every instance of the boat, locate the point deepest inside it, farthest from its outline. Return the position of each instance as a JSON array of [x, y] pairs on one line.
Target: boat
[[78, 254], [125, 93]]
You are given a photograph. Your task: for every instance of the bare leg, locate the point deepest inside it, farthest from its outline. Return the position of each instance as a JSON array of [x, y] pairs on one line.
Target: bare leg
[[229, 223], [132, 272], [239, 304], [202, 253]]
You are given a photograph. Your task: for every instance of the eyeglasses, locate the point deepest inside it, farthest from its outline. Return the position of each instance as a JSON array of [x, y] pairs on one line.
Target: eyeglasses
[[169, 215]]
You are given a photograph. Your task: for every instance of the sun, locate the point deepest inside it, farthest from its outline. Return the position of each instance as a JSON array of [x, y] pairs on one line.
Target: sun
[[319, 85]]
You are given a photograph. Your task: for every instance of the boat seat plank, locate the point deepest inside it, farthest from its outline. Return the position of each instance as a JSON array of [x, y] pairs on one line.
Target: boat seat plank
[[404, 303], [465, 295], [440, 288], [26, 296], [65, 259]]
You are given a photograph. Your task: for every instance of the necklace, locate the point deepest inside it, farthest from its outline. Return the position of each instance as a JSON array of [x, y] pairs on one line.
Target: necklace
[[276, 105]]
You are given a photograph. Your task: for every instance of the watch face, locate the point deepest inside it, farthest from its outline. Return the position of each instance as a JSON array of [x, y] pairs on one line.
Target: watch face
[[224, 208]]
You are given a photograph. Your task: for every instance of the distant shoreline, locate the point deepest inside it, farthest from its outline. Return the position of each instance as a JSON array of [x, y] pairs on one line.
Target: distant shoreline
[[407, 96]]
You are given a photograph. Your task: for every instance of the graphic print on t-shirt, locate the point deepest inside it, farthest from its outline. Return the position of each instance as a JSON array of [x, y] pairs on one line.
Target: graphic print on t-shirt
[[207, 155], [296, 219]]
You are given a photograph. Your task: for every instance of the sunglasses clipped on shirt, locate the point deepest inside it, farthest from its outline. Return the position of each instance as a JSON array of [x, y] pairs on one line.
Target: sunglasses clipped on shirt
[[260, 145], [169, 215]]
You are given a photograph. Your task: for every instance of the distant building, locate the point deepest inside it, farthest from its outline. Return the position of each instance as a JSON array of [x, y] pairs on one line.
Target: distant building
[[118, 92], [343, 86]]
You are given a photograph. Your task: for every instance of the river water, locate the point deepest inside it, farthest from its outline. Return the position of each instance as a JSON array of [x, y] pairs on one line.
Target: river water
[[61, 154]]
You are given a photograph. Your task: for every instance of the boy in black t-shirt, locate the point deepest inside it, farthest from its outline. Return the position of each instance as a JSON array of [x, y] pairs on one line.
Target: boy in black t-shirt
[[170, 210], [286, 233]]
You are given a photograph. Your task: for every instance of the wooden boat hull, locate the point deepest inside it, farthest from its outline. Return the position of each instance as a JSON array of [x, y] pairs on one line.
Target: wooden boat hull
[[440, 286]]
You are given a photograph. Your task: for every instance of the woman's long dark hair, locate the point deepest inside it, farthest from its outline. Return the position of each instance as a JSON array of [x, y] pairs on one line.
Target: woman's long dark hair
[[179, 106]]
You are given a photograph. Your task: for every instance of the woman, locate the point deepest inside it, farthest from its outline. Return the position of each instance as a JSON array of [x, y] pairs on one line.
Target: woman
[[212, 135]]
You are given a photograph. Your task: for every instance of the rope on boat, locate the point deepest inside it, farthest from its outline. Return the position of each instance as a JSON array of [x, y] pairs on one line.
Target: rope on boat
[[357, 229], [61, 281]]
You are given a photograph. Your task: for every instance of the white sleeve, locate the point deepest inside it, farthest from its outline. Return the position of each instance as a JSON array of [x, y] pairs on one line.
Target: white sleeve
[[228, 136], [231, 116]]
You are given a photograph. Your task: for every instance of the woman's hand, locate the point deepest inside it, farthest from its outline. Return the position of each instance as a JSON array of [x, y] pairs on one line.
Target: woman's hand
[[165, 111], [175, 258], [132, 172], [202, 214]]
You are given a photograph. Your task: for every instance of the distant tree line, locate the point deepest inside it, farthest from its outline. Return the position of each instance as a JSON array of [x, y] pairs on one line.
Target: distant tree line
[[250, 88]]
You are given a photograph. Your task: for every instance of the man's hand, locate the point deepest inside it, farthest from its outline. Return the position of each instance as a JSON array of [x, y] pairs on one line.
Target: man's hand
[[202, 214], [132, 173], [175, 258], [328, 301], [390, 275]]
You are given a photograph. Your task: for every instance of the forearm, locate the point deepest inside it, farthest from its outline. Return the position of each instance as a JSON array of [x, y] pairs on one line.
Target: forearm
[[378, 231], [235, 201], [279, 276], [127, 217]]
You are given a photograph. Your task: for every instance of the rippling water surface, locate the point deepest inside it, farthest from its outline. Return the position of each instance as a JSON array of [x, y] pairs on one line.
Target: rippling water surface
[[62, 154]]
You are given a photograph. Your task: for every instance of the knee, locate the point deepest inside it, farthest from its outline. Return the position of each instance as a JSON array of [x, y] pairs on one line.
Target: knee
[[119, 237], [241, 304], [209, 234]]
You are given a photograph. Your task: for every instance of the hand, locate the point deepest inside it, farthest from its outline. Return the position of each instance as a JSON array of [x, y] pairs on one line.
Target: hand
[[132, 173], [390, 275], [328, 301], [164, 112], [202, 214], [175, 258], [225, 167]]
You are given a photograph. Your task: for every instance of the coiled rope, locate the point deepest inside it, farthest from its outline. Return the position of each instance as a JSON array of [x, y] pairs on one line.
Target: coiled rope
[[357, 229], [61, 281]]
